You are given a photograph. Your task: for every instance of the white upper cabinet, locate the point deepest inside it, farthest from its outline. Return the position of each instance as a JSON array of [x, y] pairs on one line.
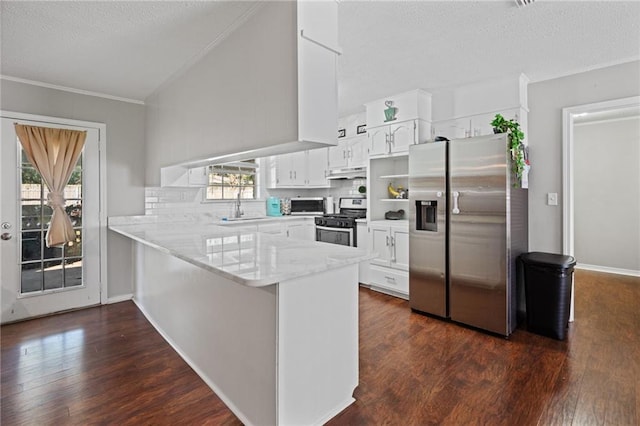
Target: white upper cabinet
[[396, 122], [396, 138], [467, 111], [352, 148], [349, 153], [316, 168], [307, 169]]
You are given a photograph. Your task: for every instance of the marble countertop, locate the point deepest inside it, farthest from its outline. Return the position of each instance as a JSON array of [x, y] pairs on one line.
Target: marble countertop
[[239, 253]]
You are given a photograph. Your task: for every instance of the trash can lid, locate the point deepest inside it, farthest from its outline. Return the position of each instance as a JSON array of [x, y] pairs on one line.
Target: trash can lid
[[549, 259]]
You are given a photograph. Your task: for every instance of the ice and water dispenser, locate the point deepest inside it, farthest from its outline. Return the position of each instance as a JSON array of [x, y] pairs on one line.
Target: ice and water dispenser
[[427, 215]]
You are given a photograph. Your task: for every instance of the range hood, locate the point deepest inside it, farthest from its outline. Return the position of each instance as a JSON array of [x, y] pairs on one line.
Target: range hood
[[280, 97], [353, 173]]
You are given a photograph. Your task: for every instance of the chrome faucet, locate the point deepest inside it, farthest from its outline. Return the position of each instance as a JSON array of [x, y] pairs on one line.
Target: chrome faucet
[[238, 204]]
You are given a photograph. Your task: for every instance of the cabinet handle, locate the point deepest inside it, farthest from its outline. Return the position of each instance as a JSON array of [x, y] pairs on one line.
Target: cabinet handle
[[344, 155], [387, 241], [393, 251]]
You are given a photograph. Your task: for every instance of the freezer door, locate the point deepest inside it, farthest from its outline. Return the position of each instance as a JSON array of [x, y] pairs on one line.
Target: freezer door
[[427, 228], [478, 238]]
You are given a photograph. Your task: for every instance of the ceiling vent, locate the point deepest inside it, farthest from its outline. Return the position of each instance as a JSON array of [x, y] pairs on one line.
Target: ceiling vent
[[523, 3]]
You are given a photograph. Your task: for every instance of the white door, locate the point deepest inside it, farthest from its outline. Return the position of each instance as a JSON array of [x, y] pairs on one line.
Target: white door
[[358, 152], [317, 164], [403, 135], [302, 231], [378, 140], [338, 155], [380, 242], [284, 173], [37, 280], [400, 238]]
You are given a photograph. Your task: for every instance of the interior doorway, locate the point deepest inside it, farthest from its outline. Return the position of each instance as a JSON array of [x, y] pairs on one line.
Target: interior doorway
[[571, 116], [39, 280]]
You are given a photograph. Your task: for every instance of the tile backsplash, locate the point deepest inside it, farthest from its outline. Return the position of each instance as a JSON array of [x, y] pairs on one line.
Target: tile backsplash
[[184, 200], [167, 200]]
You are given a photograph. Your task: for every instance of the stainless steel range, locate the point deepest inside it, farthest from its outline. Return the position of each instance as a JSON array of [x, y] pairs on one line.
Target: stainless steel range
[[340, 228]]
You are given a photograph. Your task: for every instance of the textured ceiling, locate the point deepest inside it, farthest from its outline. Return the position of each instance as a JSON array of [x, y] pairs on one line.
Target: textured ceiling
[[128, 49], [396, 46], [119, 48]]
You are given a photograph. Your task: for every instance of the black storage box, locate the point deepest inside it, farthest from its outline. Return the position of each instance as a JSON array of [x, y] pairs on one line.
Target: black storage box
[[547, 283]]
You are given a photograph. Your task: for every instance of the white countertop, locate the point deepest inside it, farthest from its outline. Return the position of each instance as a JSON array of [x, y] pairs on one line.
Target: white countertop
[[238, 252]]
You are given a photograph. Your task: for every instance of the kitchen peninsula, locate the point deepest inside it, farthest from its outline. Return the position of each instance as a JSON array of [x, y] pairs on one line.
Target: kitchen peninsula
[[269, 323]]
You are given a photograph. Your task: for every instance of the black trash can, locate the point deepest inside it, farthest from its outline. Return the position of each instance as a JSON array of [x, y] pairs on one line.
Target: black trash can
[[547, 284]]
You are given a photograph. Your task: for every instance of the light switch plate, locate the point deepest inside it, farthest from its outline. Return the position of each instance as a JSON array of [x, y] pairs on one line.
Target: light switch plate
[[552, 199]]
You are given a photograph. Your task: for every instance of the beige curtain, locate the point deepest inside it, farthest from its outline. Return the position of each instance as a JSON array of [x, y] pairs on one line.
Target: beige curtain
[[54, 153]]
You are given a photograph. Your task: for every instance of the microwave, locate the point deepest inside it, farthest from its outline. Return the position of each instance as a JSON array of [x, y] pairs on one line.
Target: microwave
[[307, 205]]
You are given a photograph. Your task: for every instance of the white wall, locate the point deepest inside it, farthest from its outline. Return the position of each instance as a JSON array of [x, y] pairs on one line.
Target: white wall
[[125, 157], [546, 100], [242, 95], [607, 193]]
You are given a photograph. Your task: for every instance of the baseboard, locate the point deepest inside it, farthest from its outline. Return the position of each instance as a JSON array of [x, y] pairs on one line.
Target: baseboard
[[121, 298], [388, 291], [608, 270]]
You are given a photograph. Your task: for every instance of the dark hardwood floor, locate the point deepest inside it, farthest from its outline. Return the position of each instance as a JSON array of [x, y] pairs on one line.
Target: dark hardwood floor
[[107, 365]]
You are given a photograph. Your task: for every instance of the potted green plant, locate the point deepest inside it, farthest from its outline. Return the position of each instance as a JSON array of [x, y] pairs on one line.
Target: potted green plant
[[516, 147]]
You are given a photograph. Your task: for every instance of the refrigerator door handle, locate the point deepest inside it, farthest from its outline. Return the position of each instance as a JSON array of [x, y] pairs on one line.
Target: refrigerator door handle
[[455, 209]]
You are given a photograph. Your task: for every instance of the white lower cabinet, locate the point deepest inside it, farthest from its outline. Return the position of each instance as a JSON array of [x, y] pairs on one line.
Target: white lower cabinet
[[303, 230], [389, 272], [276, 227]]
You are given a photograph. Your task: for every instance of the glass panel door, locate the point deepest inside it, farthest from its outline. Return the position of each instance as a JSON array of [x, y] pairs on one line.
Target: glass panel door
[[35, 279], [48, 268]]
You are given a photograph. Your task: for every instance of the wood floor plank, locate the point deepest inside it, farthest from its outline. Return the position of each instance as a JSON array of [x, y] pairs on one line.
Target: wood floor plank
[[108, 365]]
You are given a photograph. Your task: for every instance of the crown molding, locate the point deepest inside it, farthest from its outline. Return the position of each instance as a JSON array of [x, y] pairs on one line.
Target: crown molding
[[70, 89]]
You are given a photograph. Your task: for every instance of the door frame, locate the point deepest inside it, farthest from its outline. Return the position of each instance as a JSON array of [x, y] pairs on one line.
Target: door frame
[[568, 116], [102, 140]]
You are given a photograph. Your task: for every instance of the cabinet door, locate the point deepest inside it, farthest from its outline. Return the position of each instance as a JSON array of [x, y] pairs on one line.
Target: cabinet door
[[338, 155], [378, 141], [198, 176], [357, 152], [301, 231], [400, 249], [403, 135], [299, 168], [284, 172], [380, 241], [316, 167]]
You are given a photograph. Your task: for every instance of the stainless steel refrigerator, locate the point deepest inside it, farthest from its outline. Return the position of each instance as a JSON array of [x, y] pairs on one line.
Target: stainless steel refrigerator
[[468, 224]]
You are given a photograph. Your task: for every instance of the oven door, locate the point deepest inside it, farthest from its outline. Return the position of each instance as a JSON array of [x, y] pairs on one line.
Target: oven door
[[342, 236]]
